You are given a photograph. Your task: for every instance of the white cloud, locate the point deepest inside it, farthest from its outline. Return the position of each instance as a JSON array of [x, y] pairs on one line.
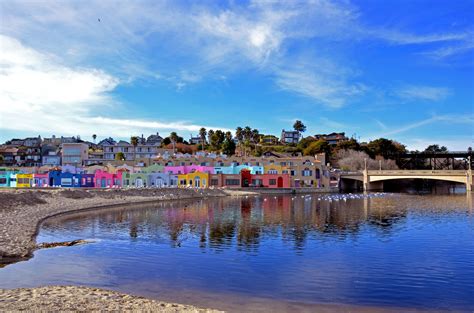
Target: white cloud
[[326, 86], [40, 95], [427, 93], [157, 40]]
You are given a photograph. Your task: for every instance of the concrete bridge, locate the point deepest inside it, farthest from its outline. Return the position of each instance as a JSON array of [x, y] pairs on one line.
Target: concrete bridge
[[373, 180]]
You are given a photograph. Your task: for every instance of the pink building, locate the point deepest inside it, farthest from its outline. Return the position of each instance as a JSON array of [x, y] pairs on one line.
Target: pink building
[[177, 170], [107, 180], [41, 180]]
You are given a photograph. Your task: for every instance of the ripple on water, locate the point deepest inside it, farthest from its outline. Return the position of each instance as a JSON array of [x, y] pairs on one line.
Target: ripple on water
[[380, 249]]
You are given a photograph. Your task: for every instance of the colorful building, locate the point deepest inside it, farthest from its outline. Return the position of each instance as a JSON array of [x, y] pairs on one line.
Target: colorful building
[[225, 180], [41, 180], [87, 180], [195, 179], [107, 180], [160, 180], [54, 178], [265, 180], [6, 177], [236, 169], [24, 180]]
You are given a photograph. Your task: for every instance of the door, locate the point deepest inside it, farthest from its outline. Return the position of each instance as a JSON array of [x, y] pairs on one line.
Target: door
[[138, 183], [197, 182], [103, 183], [159, 183], [280, 182]]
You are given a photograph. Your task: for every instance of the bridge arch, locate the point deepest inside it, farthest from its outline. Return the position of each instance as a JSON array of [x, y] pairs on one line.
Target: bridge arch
[[454, 179]]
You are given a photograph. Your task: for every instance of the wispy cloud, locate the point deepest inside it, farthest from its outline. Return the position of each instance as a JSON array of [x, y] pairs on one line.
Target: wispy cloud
[[40, 95], [427, 93], [449, 119], [380, 124], [205, 41]]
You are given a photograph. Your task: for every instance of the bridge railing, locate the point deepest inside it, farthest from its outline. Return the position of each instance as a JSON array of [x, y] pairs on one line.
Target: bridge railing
[[417, 172]]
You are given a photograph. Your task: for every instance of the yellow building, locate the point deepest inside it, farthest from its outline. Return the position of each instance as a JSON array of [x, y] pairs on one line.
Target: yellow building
[[24, 180], [275, 169], [196, 180]]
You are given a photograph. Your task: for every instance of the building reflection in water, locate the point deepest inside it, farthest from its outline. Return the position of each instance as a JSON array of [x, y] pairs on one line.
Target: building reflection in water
[[243, 222]]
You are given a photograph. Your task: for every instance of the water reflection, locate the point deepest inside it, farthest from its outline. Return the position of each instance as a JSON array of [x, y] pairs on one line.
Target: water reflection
[[217, 223], [396, 251]]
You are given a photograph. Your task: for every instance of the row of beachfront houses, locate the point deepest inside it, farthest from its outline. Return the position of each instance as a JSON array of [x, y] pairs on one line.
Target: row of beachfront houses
[[159, 176]]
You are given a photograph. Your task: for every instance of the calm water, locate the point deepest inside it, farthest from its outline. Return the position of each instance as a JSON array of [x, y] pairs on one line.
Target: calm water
[[399, 251]]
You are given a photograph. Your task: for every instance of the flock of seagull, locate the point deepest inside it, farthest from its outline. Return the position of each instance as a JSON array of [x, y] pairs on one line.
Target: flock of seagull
[[339, 197]]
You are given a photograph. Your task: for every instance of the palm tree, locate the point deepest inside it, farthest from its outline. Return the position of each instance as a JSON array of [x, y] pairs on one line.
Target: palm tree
[[239, 136], [174, 139], [247, 132], [202, 134], [255, 138], [210, 133], [134, 142], [94, 137]]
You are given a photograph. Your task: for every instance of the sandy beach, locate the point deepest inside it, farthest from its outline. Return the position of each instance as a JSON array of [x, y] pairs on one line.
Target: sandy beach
[[71, 298]]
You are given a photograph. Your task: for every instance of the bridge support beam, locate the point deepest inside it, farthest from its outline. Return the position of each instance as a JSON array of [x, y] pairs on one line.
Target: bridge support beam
[[374, 186]]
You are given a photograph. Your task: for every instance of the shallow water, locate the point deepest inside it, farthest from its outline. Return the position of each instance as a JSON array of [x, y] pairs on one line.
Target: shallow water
[[396, 251]]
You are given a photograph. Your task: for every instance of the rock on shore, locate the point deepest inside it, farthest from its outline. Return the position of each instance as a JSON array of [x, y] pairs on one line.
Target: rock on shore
[[71, 298]]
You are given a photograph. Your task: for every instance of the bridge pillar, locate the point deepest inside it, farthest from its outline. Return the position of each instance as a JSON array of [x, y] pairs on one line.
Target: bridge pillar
[[469, 180]]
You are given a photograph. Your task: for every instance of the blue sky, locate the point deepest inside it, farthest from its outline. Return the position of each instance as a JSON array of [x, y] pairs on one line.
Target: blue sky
[[397, 69]]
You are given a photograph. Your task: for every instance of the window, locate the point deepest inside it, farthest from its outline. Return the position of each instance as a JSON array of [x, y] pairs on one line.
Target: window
[[3, 180], [284, 172], [182, 182], [307, 172], [272, 182], [283, 163], [214, 182], [66, 181], [292, 172], [272, 171], [232, 182]]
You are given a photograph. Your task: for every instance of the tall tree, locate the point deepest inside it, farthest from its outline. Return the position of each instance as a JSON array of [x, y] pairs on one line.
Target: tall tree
[[220, 137], [299, 126], [210, 133], [203, 134], [134, 142], [228, 147], [255, 138], [239, 134], [228, 135], [174, 139]]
